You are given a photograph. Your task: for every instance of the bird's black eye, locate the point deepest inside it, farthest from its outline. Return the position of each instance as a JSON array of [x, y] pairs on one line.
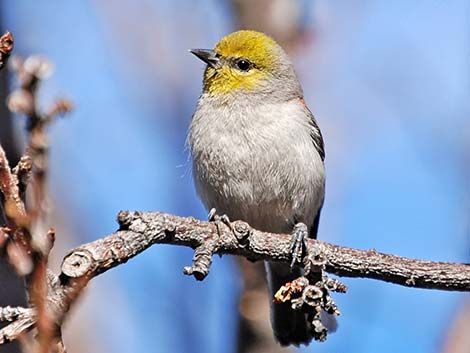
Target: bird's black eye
[[244, 65]]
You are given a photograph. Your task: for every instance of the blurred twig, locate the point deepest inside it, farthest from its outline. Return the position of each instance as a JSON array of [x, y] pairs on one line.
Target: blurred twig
[[457, 339], [27, 242], [284, 20], [6, 46], [12, 285], [30, 72]]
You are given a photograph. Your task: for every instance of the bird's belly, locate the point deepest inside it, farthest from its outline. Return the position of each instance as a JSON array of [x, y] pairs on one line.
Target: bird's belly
[[270, 188]]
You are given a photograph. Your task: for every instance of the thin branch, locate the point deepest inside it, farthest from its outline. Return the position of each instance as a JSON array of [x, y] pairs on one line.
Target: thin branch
[[139, 230], [9, 313], [6, 46], [14, 206], [17, 328], [26, 225]]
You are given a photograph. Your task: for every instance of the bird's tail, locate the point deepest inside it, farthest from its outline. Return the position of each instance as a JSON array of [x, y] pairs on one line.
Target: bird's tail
[[289, 326]]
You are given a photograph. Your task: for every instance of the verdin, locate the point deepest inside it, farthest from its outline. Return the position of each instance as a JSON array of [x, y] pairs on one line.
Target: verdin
[[258, 153]]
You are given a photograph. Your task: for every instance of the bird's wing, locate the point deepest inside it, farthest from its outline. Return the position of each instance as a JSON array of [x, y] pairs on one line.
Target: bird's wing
[[317, 140], [315, 133]]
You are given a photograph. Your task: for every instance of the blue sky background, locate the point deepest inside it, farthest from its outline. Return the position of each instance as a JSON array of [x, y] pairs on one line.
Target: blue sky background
[[389, 83]]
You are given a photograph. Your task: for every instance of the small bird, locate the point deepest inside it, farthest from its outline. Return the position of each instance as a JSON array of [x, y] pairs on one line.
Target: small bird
[[258, 154]]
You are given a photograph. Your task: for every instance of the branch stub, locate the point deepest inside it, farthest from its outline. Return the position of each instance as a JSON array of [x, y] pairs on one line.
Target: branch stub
[[77, 263]]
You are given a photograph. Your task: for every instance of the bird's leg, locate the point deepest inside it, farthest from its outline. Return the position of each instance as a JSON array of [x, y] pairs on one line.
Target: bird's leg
[[311, 294], [217, 219], [202, 259], [298, 243]]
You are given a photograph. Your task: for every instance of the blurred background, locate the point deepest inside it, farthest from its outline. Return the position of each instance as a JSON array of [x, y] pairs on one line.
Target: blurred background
[[389, 84]]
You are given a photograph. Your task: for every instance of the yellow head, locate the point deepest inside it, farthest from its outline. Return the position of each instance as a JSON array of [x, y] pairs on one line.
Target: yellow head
[[245, 61]]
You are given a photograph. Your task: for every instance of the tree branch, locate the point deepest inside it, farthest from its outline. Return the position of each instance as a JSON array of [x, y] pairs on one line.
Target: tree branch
[[140, 230]]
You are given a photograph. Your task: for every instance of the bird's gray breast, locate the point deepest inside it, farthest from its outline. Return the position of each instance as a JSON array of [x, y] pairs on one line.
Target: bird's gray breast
[[257, 163]]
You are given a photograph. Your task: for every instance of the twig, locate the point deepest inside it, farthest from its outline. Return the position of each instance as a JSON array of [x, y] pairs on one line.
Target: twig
[[22, 172], [342, 261], [17, 219], [14, 206], [17, 328], [6, 46], [9, 313], [26, 225], [140, 230]]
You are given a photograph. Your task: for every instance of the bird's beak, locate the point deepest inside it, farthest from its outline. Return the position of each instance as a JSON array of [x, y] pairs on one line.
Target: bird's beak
[[209, 56]]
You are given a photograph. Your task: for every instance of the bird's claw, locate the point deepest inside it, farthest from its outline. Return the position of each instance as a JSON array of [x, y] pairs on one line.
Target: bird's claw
[[202, 259], [211, 215], [217, 219], [298, 243]]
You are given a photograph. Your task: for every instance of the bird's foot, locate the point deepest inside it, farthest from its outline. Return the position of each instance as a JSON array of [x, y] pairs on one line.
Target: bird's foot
[[298, 243], [202, 259], [217, 219]]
